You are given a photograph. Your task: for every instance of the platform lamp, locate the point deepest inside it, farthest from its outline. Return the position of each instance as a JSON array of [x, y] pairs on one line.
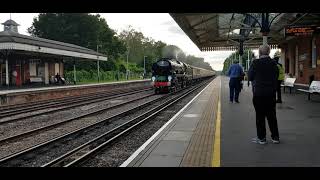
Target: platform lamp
[[98, 65], [144, 66]]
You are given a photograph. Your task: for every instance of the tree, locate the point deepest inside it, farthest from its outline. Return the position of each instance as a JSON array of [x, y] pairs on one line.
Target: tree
[[139, 46], [235, 56], [80, 29]]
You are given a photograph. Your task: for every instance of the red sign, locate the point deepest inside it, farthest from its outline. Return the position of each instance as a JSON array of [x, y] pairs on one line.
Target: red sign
[[157, 84]]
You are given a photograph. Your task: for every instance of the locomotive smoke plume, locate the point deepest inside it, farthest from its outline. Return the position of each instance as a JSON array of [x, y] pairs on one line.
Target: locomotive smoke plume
[[170, 52]]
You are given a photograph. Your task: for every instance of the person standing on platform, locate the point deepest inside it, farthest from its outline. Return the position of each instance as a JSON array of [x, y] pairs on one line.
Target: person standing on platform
[[235, 73], [280, 78], [264, 73]]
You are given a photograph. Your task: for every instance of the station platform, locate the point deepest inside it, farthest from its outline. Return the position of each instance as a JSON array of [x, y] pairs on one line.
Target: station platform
[[186, 139], [26, 95], [30, 90], [212, 132]]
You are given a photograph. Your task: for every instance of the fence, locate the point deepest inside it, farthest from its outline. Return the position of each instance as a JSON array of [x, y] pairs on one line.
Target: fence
[[83, 76]]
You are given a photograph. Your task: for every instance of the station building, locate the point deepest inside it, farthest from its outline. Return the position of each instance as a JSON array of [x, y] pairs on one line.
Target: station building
[[301, 53], [26, 59]]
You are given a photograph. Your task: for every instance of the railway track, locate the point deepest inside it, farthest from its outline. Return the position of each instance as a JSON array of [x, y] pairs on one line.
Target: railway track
[[90, 147], [64, 104], [116, 90], [51, 126]]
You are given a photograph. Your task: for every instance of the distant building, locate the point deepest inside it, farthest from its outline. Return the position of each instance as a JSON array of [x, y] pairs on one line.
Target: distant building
[[26, 59]]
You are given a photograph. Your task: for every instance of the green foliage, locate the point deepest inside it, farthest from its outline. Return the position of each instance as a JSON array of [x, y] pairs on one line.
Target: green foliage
[[93, 32], [235, 56], [83, 29], [139, 46], [84, 76]]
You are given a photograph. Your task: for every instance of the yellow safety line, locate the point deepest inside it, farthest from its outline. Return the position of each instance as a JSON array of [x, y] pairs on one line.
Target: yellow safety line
[[216, 146]]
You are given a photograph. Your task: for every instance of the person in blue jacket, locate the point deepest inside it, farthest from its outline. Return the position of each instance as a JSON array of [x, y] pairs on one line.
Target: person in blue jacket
[[235, 73]]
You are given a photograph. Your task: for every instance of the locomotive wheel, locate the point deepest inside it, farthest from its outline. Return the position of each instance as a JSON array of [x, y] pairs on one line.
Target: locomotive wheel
[[173, 89], [156, 91]]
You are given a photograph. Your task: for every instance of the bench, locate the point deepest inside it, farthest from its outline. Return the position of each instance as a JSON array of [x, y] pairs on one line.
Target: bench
[[36, 80], [313, 88], [288, 82]]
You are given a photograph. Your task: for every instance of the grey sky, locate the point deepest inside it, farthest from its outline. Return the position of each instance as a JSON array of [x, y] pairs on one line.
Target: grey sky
[[159, 26]]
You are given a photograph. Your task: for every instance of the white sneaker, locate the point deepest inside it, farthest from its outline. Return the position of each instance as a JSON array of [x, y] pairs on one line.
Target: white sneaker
[[259, 141], [275, 141]]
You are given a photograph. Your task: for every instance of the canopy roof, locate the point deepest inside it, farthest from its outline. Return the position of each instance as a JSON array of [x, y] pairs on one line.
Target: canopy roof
[[224, 31], [10, 40]]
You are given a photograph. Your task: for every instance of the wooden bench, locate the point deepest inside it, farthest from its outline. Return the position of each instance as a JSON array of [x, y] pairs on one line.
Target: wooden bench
[[36, 80], [288, 82], [314, 88]]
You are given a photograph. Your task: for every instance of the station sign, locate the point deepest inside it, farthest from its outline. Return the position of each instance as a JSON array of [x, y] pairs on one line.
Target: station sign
[[301, 30]]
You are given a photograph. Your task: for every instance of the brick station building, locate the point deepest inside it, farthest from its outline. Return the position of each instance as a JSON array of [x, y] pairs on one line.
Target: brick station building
[[301, 55], [26, 59]]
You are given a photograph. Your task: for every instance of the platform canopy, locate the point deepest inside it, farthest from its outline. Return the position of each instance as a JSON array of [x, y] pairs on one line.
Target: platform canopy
[[225, 31], [10, 40]]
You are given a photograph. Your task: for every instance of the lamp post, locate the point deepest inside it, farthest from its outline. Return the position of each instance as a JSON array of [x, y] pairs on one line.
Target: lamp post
[[248, 60], [144, 66], [127, 69], [98, 65]]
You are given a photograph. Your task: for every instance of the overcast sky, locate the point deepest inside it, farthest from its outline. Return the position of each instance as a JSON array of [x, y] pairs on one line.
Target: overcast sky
[[159, 26]]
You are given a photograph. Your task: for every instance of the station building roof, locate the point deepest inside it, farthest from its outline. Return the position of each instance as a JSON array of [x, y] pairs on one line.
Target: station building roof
[[223, 31], [10, 40]]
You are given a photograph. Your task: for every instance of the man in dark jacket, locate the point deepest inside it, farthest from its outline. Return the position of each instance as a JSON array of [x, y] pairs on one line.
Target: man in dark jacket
[[263, 72]]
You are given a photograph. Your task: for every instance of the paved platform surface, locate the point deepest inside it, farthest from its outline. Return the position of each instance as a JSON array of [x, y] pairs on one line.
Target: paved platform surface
[[298, 122], [188, 139], [12, 91]]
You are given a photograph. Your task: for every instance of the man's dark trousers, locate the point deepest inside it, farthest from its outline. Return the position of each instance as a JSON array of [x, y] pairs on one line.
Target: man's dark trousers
[[234, 86], [265, 107]]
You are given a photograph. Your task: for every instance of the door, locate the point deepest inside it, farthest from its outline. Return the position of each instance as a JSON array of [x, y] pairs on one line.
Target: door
[[56, 68], [18, 75]]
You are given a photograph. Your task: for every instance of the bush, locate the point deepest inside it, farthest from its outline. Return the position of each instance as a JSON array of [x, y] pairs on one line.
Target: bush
[[105, 76]]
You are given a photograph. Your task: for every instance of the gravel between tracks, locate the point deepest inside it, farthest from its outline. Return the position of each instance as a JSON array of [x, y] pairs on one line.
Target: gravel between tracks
[[55, 150], [121, 150], [16, 127], [22, 143]]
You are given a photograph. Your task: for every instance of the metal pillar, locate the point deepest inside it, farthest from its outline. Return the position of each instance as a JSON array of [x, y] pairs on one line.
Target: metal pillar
[[232, 59], [46, 73], [98, 66], [265, 27], [240, 60], [144, 65], [74, 72], [248, 60], [127, 70], [7, 71], [265, 40]]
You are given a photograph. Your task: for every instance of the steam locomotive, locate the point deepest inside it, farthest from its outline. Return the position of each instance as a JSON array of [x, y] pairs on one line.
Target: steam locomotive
[[169, 74]]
